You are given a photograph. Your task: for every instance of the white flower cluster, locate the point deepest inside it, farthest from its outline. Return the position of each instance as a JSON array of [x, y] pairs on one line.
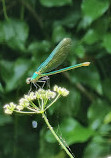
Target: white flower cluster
[[9, 108], [45, 94], [62, 91], [41, 95]]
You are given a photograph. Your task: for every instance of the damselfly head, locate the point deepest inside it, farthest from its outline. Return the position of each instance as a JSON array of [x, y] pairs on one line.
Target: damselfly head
[[28, 80]]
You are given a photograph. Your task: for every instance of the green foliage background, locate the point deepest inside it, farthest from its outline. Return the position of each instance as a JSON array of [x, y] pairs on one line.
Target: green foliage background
[[29, 31]]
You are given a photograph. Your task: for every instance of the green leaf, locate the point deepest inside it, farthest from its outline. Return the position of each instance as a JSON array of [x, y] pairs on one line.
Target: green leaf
[[20, 68], [72, 131], [59, 33], [107, 118], [93, 9], [91, 37], [88, 76], [71, 20], [6, 70], [12, 73], [79, 51], [107, 42], [37, 47], [97, 148], [14, 33], [98, 107], [55, 3], [106, 88]]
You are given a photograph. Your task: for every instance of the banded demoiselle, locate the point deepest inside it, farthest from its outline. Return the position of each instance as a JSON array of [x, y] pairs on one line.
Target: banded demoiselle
[[55, 59]]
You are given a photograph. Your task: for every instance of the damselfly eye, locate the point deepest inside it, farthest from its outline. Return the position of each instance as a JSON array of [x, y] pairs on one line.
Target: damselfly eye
[[28, 80]]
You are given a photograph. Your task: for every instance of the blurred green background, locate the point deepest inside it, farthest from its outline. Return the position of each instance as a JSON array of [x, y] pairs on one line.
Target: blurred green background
[[29, 31]]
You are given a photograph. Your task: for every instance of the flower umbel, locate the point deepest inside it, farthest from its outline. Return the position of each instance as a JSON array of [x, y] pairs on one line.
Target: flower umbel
[[62, 91], [9, 108], [45, 98]]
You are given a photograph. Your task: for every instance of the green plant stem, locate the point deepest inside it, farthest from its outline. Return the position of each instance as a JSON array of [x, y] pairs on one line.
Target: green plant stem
[[34, 105], [22, 12], [35, 111], [4, 10], [52, 102], [33, 12], [24, 112], [55, 135]]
